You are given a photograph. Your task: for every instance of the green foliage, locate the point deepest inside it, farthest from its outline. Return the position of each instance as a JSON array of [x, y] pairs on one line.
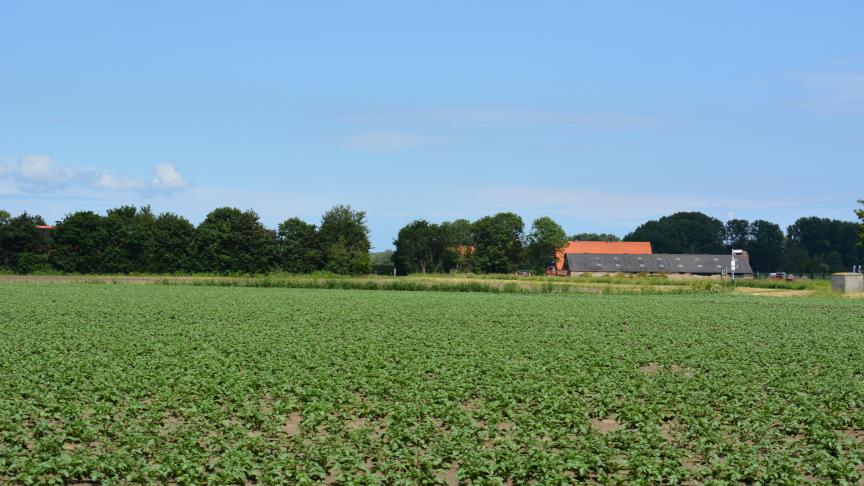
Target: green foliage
[[420, 247], [545, 240], [594, 237], [382, 262], [736, 234], [155, 384], [299, 246], [822, 245], [230, 240], [459, 256], [762, 240], [81, 241], [22, 248], [344, 239], [766, 246], [130, 233], [499, 243], [172, 247], [860, 214], [686, 232]]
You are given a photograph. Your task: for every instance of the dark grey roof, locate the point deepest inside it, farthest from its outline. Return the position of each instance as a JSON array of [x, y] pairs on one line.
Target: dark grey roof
[[656, 263]]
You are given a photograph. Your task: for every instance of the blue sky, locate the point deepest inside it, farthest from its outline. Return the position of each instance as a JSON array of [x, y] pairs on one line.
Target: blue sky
[[599, 114]]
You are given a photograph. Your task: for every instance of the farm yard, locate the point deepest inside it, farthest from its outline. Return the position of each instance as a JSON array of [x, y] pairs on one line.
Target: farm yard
[[170, 384]]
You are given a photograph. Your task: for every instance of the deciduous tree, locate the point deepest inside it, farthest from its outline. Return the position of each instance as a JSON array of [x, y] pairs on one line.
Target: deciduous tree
[[498, 242], [299, 246], [231, 240], [545, 240], [344, 240]]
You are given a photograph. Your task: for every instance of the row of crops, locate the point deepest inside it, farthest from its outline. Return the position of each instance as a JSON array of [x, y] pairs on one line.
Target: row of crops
[[120, 384]]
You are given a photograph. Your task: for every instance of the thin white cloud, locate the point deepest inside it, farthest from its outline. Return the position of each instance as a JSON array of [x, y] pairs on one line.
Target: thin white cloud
[[615, 205], [118, 182], [40, 170], [515, 116], [492, 116], [836, 94], [40, 173], [389, 141], [167, 177]]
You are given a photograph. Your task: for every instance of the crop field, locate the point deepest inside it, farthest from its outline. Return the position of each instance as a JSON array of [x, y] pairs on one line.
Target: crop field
[[174, 384]]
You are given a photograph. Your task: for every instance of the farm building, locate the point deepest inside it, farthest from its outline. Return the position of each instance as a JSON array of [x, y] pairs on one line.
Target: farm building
[[579, 263], [45, 230], [604, 248]]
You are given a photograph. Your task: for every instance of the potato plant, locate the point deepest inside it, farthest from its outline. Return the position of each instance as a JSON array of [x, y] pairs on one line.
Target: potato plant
[[129, 384]]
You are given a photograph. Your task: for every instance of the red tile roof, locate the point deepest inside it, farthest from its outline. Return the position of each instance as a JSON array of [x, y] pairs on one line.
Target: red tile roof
[[44, 226], [605, 247]]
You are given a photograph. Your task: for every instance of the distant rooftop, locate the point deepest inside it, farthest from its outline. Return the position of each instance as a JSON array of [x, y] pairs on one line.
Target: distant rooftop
[[604, 247]]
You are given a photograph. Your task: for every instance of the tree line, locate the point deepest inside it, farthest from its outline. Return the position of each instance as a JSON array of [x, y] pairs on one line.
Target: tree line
[[135, 240], [500, 244]]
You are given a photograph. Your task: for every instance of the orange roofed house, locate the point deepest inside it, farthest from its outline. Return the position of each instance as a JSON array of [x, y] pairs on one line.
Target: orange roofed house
[[604, 247]]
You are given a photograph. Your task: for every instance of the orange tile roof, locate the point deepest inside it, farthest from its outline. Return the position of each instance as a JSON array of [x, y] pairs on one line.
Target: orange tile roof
[[604, 247]]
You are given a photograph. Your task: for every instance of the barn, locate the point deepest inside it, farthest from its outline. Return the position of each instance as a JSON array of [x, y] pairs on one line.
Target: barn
[[706, 265], [603, 248]]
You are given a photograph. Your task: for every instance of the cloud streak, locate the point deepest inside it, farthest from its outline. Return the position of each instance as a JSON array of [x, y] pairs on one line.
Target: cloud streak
[[836, 94], [40, 173], [390, 141], [498, 116]]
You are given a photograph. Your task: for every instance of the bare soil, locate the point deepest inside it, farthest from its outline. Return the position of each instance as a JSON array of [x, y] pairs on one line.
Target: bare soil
[[606, 425], [774, 292]]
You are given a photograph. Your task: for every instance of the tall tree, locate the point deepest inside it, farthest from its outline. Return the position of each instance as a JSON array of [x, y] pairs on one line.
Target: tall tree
[[80, 242], [736, 234], [172, 247], [765, 244], [830, 245], [686, 232], [22, 248], [860, 214], [420, 247], [230, 240], [130, 232], [345, 240], [299, 248], [498, 242], [545, 240], [594, 237], [459, 251]]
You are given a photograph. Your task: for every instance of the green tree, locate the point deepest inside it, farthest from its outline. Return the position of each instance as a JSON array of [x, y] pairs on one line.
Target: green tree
[[382, 262], [459, 252], [299, 248], [344, 240], [498, 243], [130, 232], [420, 247], [545, 240], [594, 237], [765, 245], [230, 240], [80, 241], [830, 245], [22, 248], [860, 214], [686, 232], [172, 247], [736, 234]]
